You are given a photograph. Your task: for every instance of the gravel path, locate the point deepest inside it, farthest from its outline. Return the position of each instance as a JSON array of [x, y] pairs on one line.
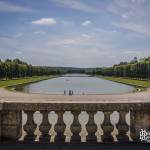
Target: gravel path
[[13, 96]]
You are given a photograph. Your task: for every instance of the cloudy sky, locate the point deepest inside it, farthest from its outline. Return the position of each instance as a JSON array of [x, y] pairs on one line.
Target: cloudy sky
[[80, 33]]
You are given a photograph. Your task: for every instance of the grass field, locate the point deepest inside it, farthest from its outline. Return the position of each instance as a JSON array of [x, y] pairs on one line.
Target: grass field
[[19, 81], [137, 83]]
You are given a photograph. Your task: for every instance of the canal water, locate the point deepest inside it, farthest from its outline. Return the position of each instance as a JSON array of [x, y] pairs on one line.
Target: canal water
[[78, 83]]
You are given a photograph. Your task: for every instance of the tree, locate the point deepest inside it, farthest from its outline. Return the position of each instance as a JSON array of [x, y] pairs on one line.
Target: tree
[[17, 68], [133, 69]]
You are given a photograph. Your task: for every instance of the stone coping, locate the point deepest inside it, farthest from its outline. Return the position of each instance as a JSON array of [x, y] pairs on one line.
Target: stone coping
[[16, 106]]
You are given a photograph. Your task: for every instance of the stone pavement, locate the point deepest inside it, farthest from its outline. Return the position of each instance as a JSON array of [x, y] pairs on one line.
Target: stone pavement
[[137, 97]]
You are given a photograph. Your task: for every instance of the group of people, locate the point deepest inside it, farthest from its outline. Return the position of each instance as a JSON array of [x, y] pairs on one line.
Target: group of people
[[70, 92]]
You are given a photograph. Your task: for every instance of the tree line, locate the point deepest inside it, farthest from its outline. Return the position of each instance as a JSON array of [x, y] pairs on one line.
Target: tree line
[[16, 68], [139, 69]]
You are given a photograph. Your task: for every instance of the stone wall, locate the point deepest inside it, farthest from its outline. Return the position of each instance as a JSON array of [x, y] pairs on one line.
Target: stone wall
[[11, 120]]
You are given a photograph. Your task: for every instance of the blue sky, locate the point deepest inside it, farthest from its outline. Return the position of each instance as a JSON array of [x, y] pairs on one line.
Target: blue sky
[[79, 33]]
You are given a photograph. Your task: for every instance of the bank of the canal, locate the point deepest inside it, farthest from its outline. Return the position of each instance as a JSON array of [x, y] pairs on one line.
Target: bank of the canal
[[140, 85], [22, 81]]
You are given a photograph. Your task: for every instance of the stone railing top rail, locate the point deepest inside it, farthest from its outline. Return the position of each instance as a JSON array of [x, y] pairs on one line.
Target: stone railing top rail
[[74, 106]]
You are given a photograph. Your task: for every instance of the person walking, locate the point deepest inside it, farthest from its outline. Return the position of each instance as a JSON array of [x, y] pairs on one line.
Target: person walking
[[69, 92], [64, 92]]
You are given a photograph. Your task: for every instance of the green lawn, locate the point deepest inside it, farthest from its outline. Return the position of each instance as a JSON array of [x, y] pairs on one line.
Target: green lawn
[[137, 83], [19, 81]]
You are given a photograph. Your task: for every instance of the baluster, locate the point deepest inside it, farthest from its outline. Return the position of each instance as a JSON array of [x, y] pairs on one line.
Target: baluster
[[114, 117], [53, 120], [99, 119], [60, 127], [30, 126], [83, 120], [76, 127], [107, 128], [91, 128], [68, 120], [122, 127], [45, 127]]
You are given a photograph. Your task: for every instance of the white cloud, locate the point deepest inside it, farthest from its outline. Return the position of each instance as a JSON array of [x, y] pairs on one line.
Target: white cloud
[[18, 52], [131, 52], [39, 32], [68, 41], [83, 42], [9, 7], [124, 16], [18, 35], [76, 49], [45, 21], [138, 53], [138, 28], [67, 22], [87, 36], [77, 5], [86, 23], [133, 9]]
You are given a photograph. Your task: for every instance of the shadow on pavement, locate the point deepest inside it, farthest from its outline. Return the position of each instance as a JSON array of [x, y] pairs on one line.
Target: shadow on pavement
[[73, 146]]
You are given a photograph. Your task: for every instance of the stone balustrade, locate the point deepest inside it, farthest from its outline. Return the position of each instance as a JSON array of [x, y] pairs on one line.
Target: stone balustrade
[[81, 124]]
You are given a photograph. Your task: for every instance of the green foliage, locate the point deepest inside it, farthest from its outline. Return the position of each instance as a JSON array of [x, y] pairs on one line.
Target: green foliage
[[134, 69], [16, 68]]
